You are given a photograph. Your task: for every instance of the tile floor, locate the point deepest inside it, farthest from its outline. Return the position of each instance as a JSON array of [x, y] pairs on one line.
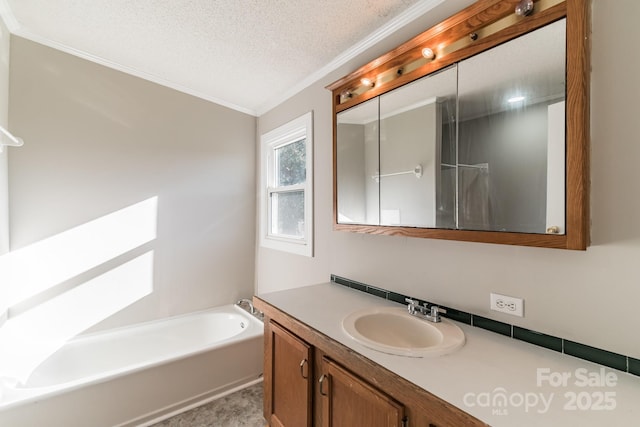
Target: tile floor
[[240, 409]]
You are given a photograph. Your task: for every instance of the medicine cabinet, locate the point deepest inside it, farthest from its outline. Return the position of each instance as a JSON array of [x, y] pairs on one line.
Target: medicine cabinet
[[475, 130]]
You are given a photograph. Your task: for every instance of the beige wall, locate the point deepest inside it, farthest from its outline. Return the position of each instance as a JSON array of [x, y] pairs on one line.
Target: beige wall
[[4, 113], [4, 173], [98, 140], [590, 297]]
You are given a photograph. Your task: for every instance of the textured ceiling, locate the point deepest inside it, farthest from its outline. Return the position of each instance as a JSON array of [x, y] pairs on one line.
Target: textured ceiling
[[245, 54]]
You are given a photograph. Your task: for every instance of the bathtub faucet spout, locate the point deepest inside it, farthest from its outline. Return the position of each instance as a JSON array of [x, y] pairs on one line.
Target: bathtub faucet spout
[[248, 303]]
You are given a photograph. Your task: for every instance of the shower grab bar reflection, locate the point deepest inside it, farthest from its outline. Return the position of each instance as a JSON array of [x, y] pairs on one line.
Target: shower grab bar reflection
[[13, 141], [478, 166], [417, 171]]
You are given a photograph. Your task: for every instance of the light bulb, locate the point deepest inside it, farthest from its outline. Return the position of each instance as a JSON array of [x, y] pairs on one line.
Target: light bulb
[[524, 8], [428, 53], [367, 82]]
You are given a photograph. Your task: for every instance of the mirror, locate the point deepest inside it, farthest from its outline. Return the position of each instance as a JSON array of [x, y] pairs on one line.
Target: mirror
[[357, 160], [387, 150], [484, 144], [415, 121], [467, 147], [511, 136]]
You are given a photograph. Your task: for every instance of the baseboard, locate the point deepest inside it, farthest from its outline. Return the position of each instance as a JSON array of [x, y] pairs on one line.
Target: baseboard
[[188, 404]]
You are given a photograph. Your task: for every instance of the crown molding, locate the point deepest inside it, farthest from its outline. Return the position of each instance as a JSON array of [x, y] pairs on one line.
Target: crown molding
[[408, 16], [128, 70], [14, 27], [8, 17]]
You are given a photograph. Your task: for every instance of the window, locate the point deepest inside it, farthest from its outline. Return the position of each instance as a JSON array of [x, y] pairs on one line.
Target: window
[[286, 202]]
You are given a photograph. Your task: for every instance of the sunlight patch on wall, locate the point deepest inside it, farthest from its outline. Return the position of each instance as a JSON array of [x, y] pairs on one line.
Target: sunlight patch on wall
[[30, 338], [34, 269]]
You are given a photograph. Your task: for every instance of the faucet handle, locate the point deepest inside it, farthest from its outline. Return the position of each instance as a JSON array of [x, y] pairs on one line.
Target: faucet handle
[[412, 302], [435, 312], [412, 305]]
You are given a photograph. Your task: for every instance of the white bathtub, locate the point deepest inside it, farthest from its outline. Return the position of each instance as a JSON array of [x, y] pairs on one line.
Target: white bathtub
[[139, 374]]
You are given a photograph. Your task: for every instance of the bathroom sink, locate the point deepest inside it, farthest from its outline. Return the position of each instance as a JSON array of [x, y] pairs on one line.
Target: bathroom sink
[[393, 330]]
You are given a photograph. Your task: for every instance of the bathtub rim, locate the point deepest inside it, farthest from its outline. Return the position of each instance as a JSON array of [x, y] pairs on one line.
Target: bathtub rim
[[22, 396]]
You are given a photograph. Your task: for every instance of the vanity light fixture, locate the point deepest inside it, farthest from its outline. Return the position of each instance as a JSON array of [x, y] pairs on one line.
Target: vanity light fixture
[[515, 99], [440, 48], [428, 53]]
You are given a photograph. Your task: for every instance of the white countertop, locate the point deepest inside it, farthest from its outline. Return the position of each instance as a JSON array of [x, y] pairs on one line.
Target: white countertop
[[499, 380]]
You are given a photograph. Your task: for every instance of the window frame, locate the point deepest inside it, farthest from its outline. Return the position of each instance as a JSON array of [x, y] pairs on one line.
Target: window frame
[[291, 132]]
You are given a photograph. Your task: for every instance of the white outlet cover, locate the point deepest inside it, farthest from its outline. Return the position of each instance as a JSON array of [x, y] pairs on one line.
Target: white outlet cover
[[506, 304]]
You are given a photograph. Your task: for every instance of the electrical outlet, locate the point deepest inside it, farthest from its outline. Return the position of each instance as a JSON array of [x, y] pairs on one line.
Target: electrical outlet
[[506, 304]]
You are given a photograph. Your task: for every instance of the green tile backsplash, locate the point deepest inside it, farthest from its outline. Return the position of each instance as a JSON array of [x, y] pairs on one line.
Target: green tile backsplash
[[603, 357], [538, 338], [381, 293], [492, 325], [582, 351], [457, 315], [399, 298]]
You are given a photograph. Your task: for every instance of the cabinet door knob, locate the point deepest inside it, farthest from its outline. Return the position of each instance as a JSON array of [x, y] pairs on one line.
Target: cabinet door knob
[[320, 381], [304, 362]]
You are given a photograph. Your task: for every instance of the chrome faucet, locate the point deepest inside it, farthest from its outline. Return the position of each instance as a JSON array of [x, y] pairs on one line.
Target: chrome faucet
[[249, 304], [432, 314]]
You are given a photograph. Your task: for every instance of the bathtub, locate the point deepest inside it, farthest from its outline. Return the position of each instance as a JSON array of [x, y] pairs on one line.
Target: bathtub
[[140, 374]]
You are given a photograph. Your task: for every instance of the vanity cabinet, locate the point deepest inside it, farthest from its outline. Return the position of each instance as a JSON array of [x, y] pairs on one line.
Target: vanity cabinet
[[349, 401], [312, 380], [288, 378]]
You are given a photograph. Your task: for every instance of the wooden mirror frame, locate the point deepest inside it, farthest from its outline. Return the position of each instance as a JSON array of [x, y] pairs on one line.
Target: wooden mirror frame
[[481, 26]]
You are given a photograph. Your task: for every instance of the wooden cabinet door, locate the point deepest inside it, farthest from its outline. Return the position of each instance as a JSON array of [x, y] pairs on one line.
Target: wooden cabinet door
[[349, 401], [288, 377]]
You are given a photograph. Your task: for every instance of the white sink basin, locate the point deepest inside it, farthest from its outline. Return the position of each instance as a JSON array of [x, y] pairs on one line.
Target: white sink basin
[[393, 330]]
